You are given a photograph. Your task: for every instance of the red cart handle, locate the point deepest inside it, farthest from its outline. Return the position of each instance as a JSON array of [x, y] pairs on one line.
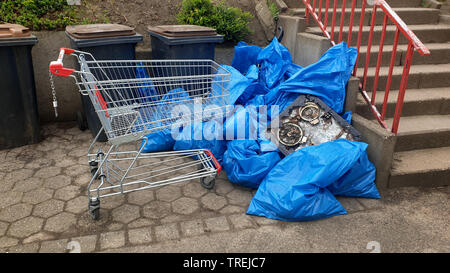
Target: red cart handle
[[57, 68], [219, 168]]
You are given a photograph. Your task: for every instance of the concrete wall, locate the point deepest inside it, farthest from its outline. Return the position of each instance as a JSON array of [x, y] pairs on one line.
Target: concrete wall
[[381, 147], [45, 51], [309, 48]]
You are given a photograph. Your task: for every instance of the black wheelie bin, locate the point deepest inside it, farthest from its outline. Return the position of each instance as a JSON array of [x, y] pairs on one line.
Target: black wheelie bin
[[104, 42], [19, 122]]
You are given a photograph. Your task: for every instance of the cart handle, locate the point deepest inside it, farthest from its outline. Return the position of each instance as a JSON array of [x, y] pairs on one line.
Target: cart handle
[[57, 68], [219, 168]]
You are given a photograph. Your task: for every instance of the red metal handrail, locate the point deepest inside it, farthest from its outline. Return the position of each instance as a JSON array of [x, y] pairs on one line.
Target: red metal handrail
[[401, 28]]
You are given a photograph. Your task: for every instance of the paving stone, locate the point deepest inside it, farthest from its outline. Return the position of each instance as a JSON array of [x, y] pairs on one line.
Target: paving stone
[[371, 203], [77, 205], [39, 237], [217, 224], [25, 227], [85, 220], [126, 213], [192, 228], [60, 222], [141, 222], [112, 202], [66, 162], [28, 184], [9, 198], [168, 193], [185, 205], [239, 197], [213, 201], [350, 204], [114, 226], [6, 185], [57, 246], [48, 208], [156, 209], [37, 196], [57, 182], [39, 163], [29, 154], [166, 232], [78, 152], [112, 239], [68, 192], [140, 197], [241, 221], [76, 170], [7, 242], [194, 189], [26, 248], [231, 209], [140, 236], [171, 218], [83, 179], [87, 243], [223, 186], [18, 175], [15, 212], [47, 145], [3, 228], [8, 166], [262, 221], [48, 172]]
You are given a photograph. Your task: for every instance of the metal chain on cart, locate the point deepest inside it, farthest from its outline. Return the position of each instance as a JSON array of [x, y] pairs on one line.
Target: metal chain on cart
[[52, 86]]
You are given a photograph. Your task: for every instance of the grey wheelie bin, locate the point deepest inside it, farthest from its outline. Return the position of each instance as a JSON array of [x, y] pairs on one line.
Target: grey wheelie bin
[[19, 122], [104, 42]]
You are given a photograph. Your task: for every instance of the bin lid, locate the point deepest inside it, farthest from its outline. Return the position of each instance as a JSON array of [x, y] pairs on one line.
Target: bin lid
[[16, 35], [99, 31], [182, 30], [13, 31]]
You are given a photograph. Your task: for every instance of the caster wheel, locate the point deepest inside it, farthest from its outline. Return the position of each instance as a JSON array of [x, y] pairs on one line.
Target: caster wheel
[[95, 214], [208, 182], [81, 121], [93, 165], [94, 209]]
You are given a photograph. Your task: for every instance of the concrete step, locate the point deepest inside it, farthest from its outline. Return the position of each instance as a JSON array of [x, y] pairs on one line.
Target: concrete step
[[432, 101], [392, 3], [440, 54], [425, 168], [422, 132], [420, 76], [411, 16], [426, 33]]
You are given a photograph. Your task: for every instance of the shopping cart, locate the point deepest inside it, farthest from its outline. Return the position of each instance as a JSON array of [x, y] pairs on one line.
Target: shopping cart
[[135, 98]]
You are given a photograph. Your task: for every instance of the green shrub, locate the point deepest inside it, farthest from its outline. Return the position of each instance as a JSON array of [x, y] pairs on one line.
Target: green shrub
[[38, 14], [228, 21]]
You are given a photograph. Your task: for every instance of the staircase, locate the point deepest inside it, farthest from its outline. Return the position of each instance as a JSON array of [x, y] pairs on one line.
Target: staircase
[[422, 151]]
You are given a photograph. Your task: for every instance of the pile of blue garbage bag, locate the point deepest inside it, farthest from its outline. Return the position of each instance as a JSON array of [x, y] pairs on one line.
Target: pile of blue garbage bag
[[303, 185]]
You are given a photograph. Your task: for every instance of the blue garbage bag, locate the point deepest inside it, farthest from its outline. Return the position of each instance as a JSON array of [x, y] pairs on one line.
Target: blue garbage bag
[[162, 140], [245, 123], [274, 61], [202, 135], [348, 117], [296, 188], [244, 56], [327, 78], [359, 181], [246, 163], [146, 88]]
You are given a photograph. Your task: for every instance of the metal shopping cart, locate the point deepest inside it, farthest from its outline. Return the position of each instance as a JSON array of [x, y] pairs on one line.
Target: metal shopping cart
[[135, 98]]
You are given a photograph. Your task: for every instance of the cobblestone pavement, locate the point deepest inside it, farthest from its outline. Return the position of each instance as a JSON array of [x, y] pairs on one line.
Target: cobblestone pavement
[[43, 208]]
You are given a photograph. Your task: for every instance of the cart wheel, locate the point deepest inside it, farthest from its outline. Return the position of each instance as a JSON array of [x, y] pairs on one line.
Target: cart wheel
[[94, 209], [93, 165], [208, 182], [95, 214], [81, 121]]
